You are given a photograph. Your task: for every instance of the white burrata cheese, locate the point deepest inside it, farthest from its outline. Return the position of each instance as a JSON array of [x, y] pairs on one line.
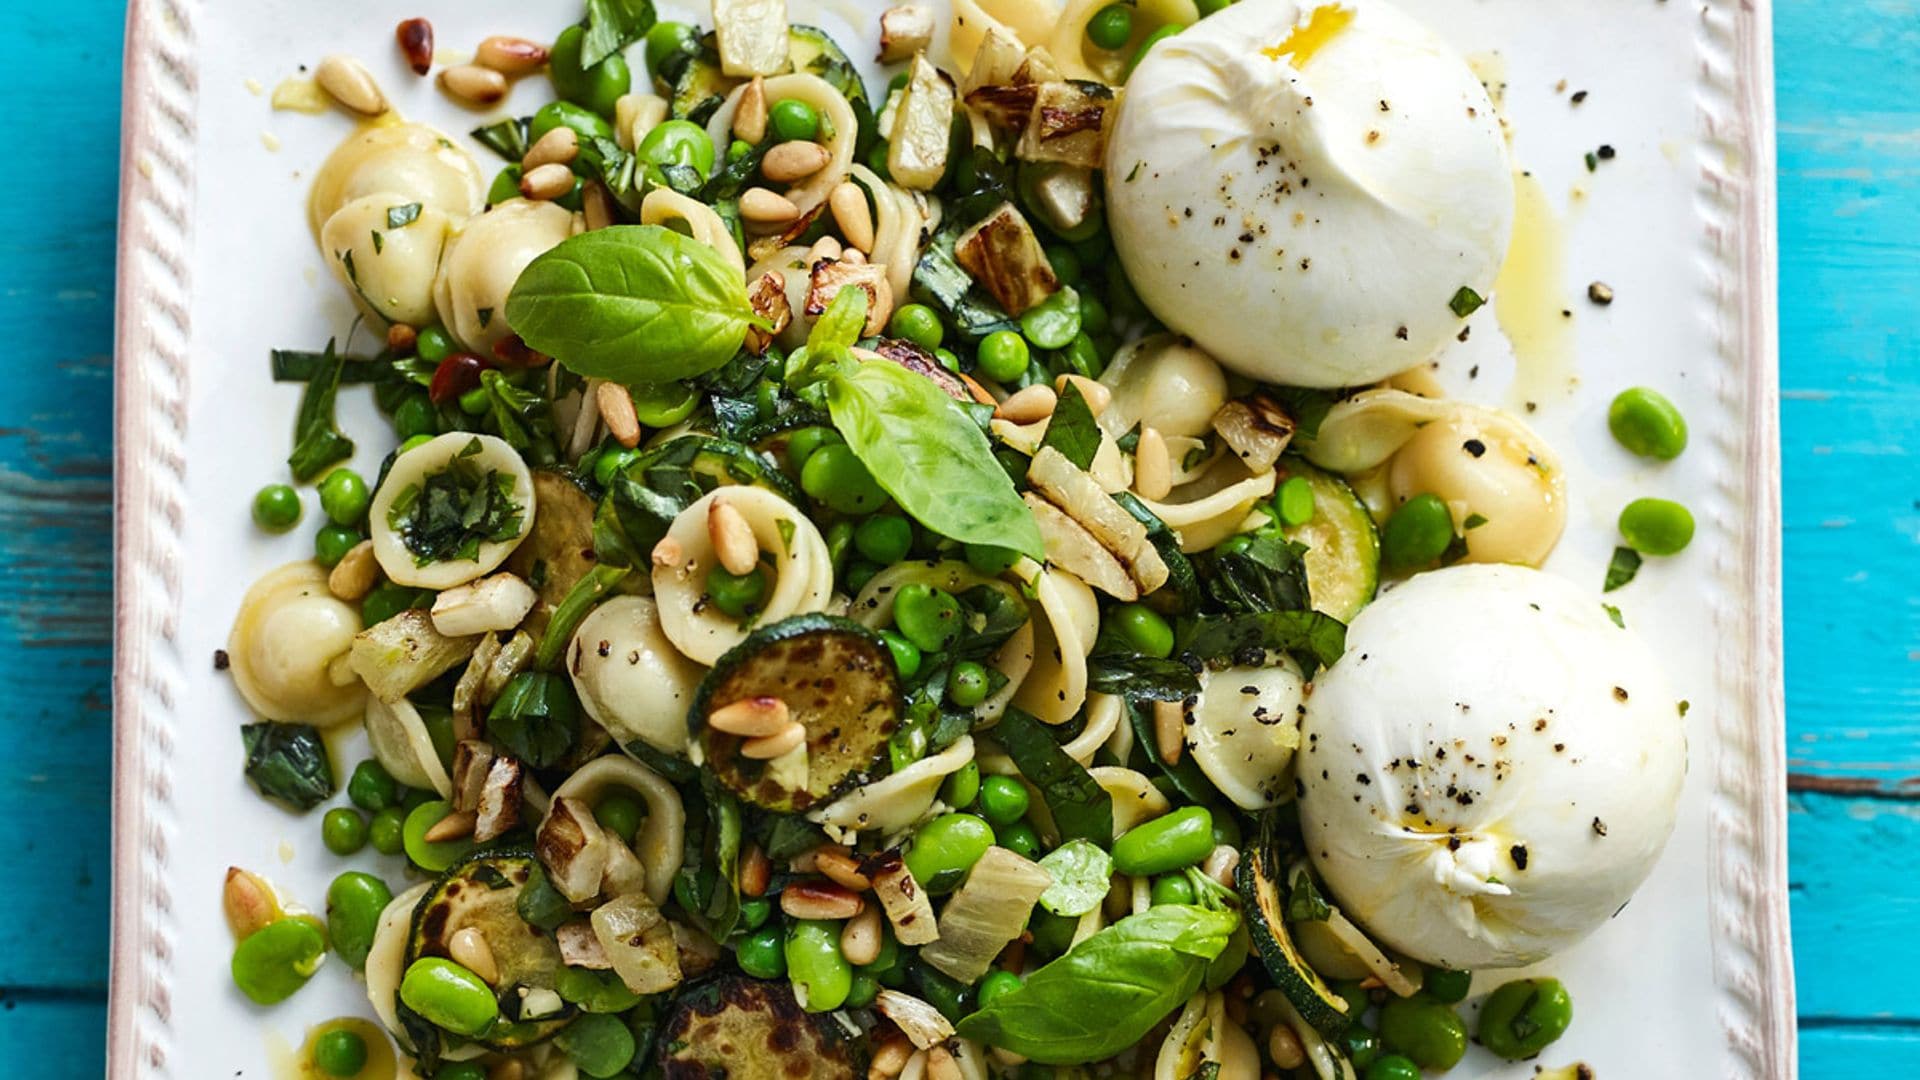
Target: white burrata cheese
[[1492, 768], [1303, 189]]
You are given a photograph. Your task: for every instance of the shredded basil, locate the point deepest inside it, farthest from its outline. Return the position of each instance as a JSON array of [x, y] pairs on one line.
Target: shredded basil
[[317, 442], [288, 762], [448, 517], [1072, 430], [1625, 564]]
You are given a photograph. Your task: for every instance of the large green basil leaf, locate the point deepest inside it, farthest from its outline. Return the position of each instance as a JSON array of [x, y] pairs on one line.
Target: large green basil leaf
[[632, 303], [1109, 990]]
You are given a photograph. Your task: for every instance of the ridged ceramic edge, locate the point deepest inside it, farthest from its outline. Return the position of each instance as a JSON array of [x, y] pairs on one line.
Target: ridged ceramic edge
[[1747, 832], [152, 339]]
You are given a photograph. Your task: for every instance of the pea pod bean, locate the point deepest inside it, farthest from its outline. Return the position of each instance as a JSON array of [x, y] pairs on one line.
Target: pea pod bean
[[762, 954], [461, 1070], [884, 538], [600, 1045], [1524, 1017], [1424, 1030], [865, 989], [344, 496], [968, 684], [276, 508], [1003, 356], [794, 120], [1417, 533], [804, 441], [1111, 26], [945, 848], [273, 962], [1145, 629], [1172, 889], [997, 984], [343, 830], [585, 123], [1392, 1067], [564, 68], [917, 323], [928, 617], [1053, 322], [1168, 842], [666, 40], [1447, 986], [906, 659], [678, 142], [1647, 424], [449, 996], [835, 476], [371, 787], [659, 405], [1656, 526], [387, 830], [736, 595], [1019, 838], [433, 344], [619, 812], [354, 903], [430, 856], [962, 786], [1363, 1046], [821, 977], [594, 991], [1294, 503], [754, 913]]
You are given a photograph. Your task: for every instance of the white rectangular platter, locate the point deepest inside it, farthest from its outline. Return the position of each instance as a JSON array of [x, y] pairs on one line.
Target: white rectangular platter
[[1693, 979]]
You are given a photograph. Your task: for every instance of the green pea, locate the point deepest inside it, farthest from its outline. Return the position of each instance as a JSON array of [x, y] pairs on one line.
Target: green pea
[[1003, 356], [415, 416], [600, 1045], [1168, 842], [1144, 629], [821, 977], [930, 618], [276, 508], [997, 984], [838, 478], [1656, 526], [678, 142], [432, 857], [1003, 800], [1065, 263], [587, 124], [387, 830], [619, 812], [273, 962], [1052, 933], [1356, 996], [762, 953], [793, 119], [343, 830], [1392, 1067], [1294, 503], [945, 848], [737, 595], [332, 543], [884, 538], [505, 185], [991, 561], [371, 786], [1111, 26], [593, 991], [948, 358], [449, 996], [1427, 1031], [611, 464], [667, 40], [563, 65], [659, 405], [1447, 986], [1146, 46], [1019, 838], [1417, 533], [1094, 318], [962, 786], [1647, 424], [804, 441], [340, 1052], [737, 150], [906, 655], [414, 443], [865, 988], [860, 573], [607, 82], [344, 497], [461, 1070], [476, 401], [1052, 323], [1172, 889], [754, 913], [1524, 1017], [355, 902], [968, 684], [917, 323], [433, 344]]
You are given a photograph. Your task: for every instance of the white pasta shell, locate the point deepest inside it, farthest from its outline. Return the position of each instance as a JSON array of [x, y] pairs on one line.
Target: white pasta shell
[[630, 678], [1166, 383], [664, 205], [484, 259], [1244, 742], [287, 647], [412, 469], [388, 270], [802, 571], [1210, 509], [413, 161], [662, 834], [402, 745], [1063, 635], [900, 799]]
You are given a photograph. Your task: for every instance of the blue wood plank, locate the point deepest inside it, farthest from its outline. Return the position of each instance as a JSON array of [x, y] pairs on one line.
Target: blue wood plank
[[1852, 886], [52, 1036], [1851, 1051]]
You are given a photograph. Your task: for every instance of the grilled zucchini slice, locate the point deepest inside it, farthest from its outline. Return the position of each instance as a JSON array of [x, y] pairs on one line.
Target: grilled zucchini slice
[[481, 892], [1343, 545], [736, 1028], [1262, 881]]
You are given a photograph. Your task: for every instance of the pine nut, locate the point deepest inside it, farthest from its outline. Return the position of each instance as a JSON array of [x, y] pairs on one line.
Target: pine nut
[[1098, 395], [596, 205], [1283, 1046], [850, 212], [889, 1058], [507, 1070], [668, 553], [755, 870], [750, 115], [1168, 738], [763, 207], [247, 902], [549, 181], [940, 1063], [473, 84], [732, 537], [860, 938], [616, 408], [819, 900], [557, 147], [824, 248], [401, 339], [1152, 465], [415, 38], [454, 826], [768, 747], [353, 576], [751, 718], [1221, 863], [1036, 402], [841, 868], [470, 950], [348, 82], [794, 160], [511, 55]]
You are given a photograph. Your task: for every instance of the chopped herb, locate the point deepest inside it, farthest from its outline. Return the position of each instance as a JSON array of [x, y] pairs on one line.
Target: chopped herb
[[456, 510], [399, 217], [509, 138], [1684, 706], [536, 718], [1465, 302], [288, 762], [1072, 430], [379, 241], [1593, 162], [1474, 521], [299, 365], [1081, 807], [1625, 564], [612, 25], [1614, 614], [317, 442], [485, 315], [1304, 902]]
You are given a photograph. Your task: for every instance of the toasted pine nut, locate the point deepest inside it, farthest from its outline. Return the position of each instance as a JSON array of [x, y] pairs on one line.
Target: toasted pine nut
[[473, 84], [1010, 1058], [889, 1058], [668, 553], [779, 744], [415, 38], [1098, 396], [401, 338], [559, 146], [794, 160], [507, 1070], [1283, 1046], [1220, 864], [1152, 464], [616, 408], [751, 718], [452, 827], [763, 207], [348, 82], [353, 576], [247, 902], [824, 248], [841, 868], [755, 869], [469, 948], [732, 537], [1036, 402], [549, 181], [940, 1063], [1168, 740], [860, 938], [511, 55], [596, 205], [750, 115], [851, 213], [820, 900]]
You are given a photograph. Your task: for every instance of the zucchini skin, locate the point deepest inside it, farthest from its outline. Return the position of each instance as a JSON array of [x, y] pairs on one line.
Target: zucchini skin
[[732, 1027], [1260, 882]]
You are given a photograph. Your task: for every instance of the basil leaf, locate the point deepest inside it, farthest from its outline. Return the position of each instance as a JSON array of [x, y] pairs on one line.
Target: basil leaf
[[841, 323], [288, 762], [297, 365], [1304, 902], [510, 138], [924, 450], [581, 599], [632, 303], [1625, 564], [1072, 429], [1081, 808], [536, 718], [1109, 990], [612, 25], [1082, 873], [1309, 635], [1141, 677], [1258, 571], [677, 769], [317, 442]]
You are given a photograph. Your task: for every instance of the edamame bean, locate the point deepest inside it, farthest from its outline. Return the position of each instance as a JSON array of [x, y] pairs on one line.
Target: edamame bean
[[1524, 1017], [563, 65], [506, 185], [793, 119], [917, 323], [1656, 526], [594, 991], [666, 40], [1356, 996], [273, 962], [928, 617], [997, 984], [606, 83], [678, 142], [968, 684], [1066, 264], [1110, 27], [821, 977], [1003, 356], [1363, 1046], [1294, 503], [415, 416], [659, 405], [449, 996], [1053, 322], [1447, 986], [1019, 838], [599, 1045], [1003, 800], [736, 595], [1172, 889], [906, 655], [344, 497], [1145, 629], [387, 830], [371, 787], [884, 538], [340, 1052], [620, 813], [1647, 424], [1425, 1030], [432, 857], [838, 478], [1392, 1067], [343, 830], [945, 848], [1417, 533], [433, 344], [332, 543], [762, 953], [1168, 842], [1093, 314], [1052, 933], [989, 560], [354, 903], [587, 124], [276, 508], [961, 786]]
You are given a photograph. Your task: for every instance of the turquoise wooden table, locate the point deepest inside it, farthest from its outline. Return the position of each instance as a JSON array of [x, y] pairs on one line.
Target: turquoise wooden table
[[1849, 107]]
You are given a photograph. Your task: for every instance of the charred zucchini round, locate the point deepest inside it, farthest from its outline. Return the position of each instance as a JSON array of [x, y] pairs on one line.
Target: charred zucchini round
[[482, 892], [1343, 545], [736, 1028]]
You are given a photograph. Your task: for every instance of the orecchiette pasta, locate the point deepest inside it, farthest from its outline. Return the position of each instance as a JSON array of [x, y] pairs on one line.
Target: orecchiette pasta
[[288, 646], [1105, 715], [900, 217], [664, 205], [630, 678], [1208, 510], [899, 800], [1064, 628], [483, 260], [1135, 799], [661, 839], [411, 472], [1243, 728], [873, 608], [412, 161], [1166, 383], [791, 548], [835, 114], [387, 268], [402, 745]]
